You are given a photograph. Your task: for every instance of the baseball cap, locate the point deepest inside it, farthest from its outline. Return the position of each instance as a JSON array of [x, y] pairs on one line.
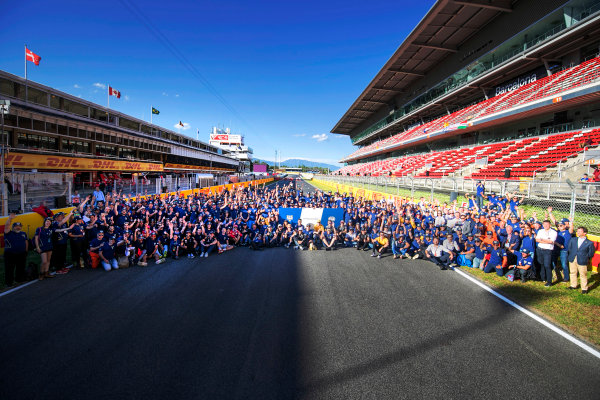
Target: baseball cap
[[495, 242], [17, 224], [526, 251]]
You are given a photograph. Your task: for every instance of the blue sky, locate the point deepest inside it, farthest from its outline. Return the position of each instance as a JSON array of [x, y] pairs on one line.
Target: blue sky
[[288, 70]]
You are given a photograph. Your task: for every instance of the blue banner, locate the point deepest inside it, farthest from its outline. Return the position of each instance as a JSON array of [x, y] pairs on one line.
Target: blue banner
[[311, 215]]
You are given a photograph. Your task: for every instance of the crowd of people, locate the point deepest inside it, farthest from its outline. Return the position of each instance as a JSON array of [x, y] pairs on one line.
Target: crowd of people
[[490, 232]]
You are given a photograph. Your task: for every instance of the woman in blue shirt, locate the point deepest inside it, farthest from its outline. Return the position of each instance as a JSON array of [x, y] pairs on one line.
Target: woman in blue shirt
[[43, 245]]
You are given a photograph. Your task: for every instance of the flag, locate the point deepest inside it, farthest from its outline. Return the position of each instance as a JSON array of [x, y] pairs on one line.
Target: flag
[[114, 92], [155, 111], [462, 125], [181, 124], [31, 56]]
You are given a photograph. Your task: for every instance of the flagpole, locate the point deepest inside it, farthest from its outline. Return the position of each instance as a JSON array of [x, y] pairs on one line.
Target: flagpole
[[108, 96], [150, 114], [25, 62]]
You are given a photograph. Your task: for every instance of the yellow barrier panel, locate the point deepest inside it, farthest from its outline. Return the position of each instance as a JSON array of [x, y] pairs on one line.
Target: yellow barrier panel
[[31, 221]]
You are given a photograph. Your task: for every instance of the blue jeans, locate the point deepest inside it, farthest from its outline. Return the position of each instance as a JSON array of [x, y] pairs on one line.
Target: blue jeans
[[395, 249], [112, 263], [479, 200], [565, 263], [477, 262]]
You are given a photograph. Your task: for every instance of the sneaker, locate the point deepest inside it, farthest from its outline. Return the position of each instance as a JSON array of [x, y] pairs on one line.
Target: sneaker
[[160, 261], [378, 255], [296, 247], [205, 255], [60, 272], [301, 248], [202, 254], [373, 255], [192, 256], [71, 266], [548, 284], [143, 264], [415, 256]]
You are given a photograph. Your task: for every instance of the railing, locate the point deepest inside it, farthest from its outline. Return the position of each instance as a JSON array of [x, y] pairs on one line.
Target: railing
[[579, 200]]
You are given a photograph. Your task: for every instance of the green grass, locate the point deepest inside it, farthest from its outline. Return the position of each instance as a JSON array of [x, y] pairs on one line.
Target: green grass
[[575, 312]]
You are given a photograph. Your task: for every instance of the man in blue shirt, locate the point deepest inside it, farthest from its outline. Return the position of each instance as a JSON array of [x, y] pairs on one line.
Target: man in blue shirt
[[524, 267], [107, 254], [16, 246], [480, 191], [497, 261]]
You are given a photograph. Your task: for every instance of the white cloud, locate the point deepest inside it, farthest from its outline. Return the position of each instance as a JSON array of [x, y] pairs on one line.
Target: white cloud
[[99, 85], [320, 138], [185, 126], [165, 94], [177, 95], [76, 86], [299, 134], [126, 98]]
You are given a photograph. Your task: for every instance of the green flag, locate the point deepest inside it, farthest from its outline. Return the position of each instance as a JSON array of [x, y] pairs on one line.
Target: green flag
[[155, 111]]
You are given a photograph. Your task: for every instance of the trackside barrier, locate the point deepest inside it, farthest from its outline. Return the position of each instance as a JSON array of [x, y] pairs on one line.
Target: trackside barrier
[[31, 221], [378, 196]]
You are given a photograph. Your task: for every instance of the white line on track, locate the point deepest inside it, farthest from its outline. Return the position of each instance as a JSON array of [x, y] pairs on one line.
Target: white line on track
[[18, 288], [525, 311]]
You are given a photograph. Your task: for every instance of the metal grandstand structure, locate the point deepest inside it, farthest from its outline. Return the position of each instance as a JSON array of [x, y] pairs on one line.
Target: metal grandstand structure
[[460, 51]]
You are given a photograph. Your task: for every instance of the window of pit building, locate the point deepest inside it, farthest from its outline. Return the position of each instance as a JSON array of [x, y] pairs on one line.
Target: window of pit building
[[75, 108], [24, 122], [56, 102], [98, 115], [12, 89], [129, 124], [37, 96]]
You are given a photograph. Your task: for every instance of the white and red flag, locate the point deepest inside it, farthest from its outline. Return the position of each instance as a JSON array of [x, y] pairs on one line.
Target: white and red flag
[[31, 56], [114, 92]]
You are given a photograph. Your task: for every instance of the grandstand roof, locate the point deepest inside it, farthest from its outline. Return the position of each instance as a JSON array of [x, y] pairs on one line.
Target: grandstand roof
[[439, 34]]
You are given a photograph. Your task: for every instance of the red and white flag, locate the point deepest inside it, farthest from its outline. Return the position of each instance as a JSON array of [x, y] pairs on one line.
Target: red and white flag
[[31, 56], [114, 92]]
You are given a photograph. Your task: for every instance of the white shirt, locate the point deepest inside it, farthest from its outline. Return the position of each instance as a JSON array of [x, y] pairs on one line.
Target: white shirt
[[547, 234], [580, 241]]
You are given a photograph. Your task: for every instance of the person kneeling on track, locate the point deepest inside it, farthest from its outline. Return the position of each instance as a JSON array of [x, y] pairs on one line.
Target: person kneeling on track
[[363, 240], [438, 255], [107, 254], [380, 245], [95, 246], [329, 238], [497, 261], [419, 248], [208, 244]]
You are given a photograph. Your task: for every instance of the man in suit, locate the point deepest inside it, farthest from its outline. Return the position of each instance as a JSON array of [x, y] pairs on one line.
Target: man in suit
[[581, 251]]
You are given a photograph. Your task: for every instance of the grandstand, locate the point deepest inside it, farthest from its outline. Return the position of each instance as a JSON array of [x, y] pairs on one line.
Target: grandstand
[[483, 90]]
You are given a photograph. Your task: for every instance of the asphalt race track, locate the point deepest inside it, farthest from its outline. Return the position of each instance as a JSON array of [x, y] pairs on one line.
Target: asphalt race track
[[280, 324]]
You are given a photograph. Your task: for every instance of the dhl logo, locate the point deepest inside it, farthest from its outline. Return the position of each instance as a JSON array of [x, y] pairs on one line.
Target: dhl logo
[[104, 164], [60, 162], [15, 160]]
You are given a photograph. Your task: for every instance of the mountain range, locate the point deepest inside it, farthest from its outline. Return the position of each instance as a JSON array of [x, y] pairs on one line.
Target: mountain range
[[297, 162]]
